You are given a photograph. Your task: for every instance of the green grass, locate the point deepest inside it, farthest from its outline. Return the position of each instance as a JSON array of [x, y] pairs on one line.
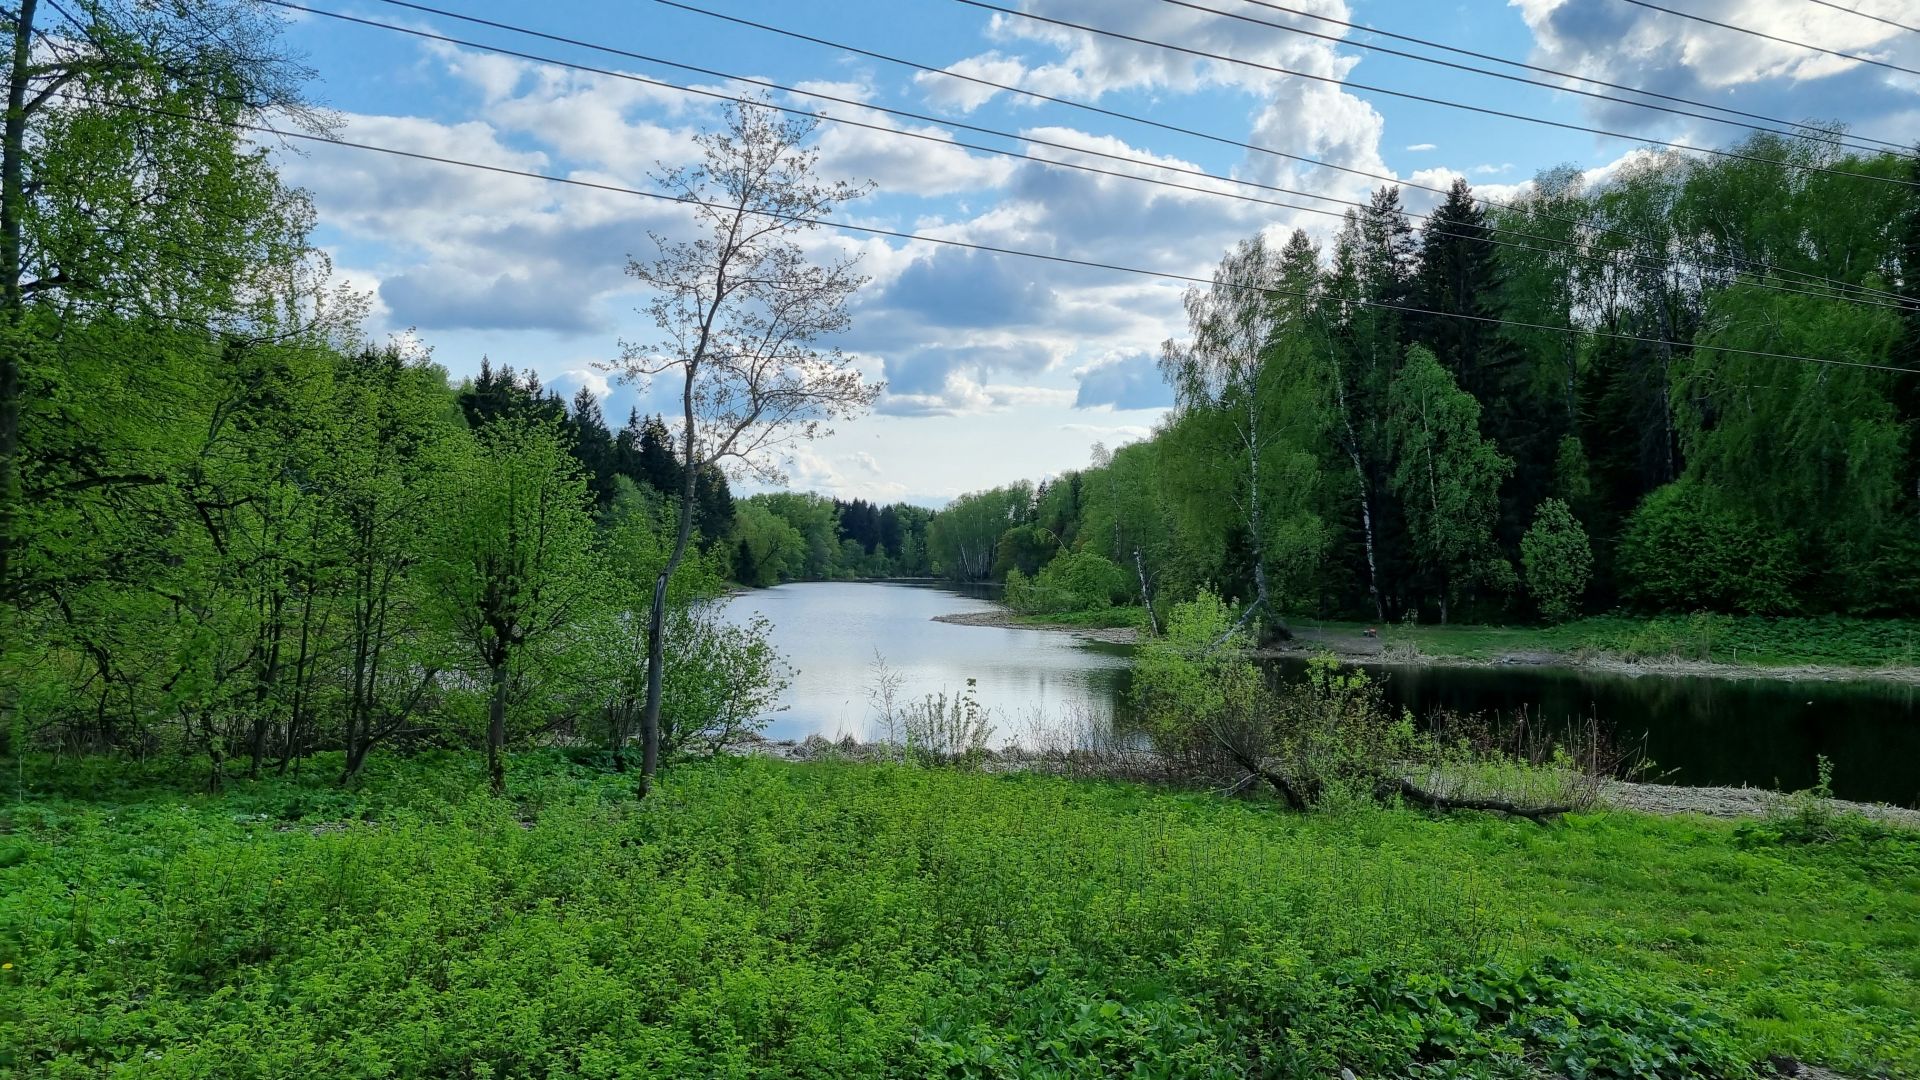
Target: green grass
[[755, 919], [1750, 640], [1093, 618]]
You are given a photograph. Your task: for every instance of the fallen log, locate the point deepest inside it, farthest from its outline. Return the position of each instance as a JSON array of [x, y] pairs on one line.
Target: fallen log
[[1411, 792]]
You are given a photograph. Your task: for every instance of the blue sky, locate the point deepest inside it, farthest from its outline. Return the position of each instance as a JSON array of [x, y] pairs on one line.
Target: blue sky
[[998, 368]]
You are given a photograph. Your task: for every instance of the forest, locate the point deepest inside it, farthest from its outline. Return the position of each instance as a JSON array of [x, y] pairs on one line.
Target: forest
[[321, 669], [1398, 427]]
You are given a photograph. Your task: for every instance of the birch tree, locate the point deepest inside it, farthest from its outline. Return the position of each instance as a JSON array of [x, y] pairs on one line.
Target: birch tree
[[743, 310], [1245, 382]]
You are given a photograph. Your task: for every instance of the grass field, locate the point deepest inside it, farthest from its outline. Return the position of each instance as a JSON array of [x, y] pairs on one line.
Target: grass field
[[1750, 640], [757, 919]]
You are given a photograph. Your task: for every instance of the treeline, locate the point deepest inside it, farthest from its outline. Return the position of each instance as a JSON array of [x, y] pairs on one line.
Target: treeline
[[1397, 426], [792, 536], [308, 548]]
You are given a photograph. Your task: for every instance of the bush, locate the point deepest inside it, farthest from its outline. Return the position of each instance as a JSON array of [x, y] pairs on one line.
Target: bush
[[1331, 740], [1682, 552], [1075, 581], [1557, 560]]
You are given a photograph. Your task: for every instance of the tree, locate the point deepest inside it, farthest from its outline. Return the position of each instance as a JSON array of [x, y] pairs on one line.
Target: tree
[[742, 310], [1447, 476], [511, 559], [1248, 400], [1459, 278], [1557, 561], [126, 190]]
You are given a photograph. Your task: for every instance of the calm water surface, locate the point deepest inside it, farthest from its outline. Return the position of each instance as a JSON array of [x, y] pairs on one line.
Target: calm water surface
[[831, 632], [1698, 731]]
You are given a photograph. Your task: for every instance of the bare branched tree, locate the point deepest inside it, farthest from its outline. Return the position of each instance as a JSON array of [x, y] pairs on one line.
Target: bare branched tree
[[742, 311]]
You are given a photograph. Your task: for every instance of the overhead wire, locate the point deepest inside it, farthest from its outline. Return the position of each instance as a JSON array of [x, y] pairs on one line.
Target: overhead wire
[[1811, 135], [1856, 58], [1865, 15], [1737, 263], [1574, 251], [1368, 28], [994, 249], [1734, 264], [1427, 99]]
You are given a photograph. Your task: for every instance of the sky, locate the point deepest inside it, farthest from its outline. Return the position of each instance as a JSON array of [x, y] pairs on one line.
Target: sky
[[998, 368]]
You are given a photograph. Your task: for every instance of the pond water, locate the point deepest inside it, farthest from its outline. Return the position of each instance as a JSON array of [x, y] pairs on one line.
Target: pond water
[[1762, 732]]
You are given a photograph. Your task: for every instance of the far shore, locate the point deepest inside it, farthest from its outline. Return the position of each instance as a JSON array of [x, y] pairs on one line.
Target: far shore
[[1385, 652]]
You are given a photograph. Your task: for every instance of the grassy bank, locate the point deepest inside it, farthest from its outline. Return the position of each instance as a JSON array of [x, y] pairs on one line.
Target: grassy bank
[[1106, 618], [763, 919], [1754, 641]]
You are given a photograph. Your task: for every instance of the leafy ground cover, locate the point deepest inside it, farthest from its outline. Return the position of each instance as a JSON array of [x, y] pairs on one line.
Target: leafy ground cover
[[1730, 639], [760, 919]]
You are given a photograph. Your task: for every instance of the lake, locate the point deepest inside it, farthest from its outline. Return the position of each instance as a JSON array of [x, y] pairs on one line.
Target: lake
[[1761, 732]]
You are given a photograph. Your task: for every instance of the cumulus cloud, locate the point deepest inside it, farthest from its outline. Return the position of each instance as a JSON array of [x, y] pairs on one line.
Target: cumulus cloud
[[1665, 53], [1091, 65], [1131, 381], [960, 395]]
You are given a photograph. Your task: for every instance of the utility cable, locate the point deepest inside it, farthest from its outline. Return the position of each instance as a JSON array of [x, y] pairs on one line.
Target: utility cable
[[993, 249], [1770, 37], [1865, 14], [1408, 95], [1574, 251], [1811, 135], [1588, 79], [1785, 274]]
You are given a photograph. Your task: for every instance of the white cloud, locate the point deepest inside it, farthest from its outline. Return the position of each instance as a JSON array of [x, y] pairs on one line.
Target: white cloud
[[1422, 147]]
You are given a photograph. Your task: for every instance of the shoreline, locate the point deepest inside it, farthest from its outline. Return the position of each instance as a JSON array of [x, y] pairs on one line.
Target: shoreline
[[1309, 641], [1382, 653], [1619, 796], [1006, 619]]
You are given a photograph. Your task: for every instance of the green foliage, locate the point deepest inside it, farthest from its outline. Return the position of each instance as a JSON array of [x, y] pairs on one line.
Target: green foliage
[[1684, 549], [1075, 581], [1447, 476], [1557, 560], [761, 919], [1195, 679]]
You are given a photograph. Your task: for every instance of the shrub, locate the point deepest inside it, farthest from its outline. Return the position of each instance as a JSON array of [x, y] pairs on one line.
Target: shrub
[[1681, 551], [1557, 560], [1075, 581]]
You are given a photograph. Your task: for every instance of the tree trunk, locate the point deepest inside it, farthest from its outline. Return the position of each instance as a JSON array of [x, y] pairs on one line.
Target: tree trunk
[[13, 209], [497, 729], [1146, 598], [656, 621]]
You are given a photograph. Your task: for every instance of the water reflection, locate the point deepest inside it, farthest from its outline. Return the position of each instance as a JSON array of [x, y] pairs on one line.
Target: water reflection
[[1698, 731]]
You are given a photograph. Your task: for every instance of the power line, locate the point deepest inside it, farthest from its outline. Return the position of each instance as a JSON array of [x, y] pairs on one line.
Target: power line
[[1865, 14], [1481, 109], [1458, 51], [1574, 251], [1770, 37], [992, 249], [1812, 136], [1732, 261]]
